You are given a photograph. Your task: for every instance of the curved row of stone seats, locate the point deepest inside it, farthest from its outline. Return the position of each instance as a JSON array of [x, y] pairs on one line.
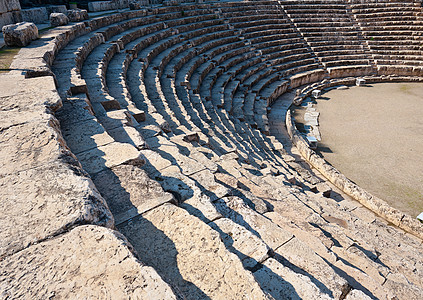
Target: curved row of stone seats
[[188, 289], [270, 58], [56, 224], [251, 208], [329, 29], [392, 31]]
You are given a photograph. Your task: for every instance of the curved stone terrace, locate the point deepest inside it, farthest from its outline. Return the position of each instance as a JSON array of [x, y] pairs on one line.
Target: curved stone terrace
[[144, 156]]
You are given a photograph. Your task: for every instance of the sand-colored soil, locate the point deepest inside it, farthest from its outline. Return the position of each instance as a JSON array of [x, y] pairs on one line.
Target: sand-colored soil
[[374, 135]]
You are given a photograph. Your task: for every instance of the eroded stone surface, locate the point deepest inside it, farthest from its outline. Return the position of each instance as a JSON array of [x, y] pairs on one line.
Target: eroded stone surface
[[247, 246], [89, 262], [300, 255], [283, 283], [235, 209], [189, 255], [16, 92], [129, 191], [110, 155], [44, 146], [20, 34], [44, 201], [58, 19]]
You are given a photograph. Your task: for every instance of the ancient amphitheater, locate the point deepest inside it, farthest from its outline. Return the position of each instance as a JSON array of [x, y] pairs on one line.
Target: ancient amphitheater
[[144, 155]]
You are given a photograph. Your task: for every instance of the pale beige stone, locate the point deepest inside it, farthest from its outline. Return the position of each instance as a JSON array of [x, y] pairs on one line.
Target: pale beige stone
[[189, 255], [31, 145], [202, 207], [283, 283], [130, 135], [249, 247], [44, 201], [85, 135], [235, 209], [303, 257], [110, 155], [89, 262], [16, 92], [129, 191], [357, 295]]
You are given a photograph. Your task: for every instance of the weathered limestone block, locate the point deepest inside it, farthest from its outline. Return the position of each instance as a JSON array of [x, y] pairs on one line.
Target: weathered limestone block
[[299, 254], [249, 247], [36, 15], [77, 15], [110, 155], [202, 207], [85, 135], [58, 19], [89, 262], [189, 255], [306, 77], [170, 2], [129, 191], [32, 145], [9, 5], [235, 209], [130, 135], [56, 9], [133, 5], [75, 110], [283, 283], [41, 202], [107, 5], [347, 71], [356, 295], [28, 94], [20, 34]]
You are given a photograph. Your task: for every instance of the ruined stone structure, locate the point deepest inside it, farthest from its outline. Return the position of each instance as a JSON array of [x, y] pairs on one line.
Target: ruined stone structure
[[143, 156], [9, 12]]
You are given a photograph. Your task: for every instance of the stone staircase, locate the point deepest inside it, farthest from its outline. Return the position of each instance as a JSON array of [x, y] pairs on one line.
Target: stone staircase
[[165, 137]]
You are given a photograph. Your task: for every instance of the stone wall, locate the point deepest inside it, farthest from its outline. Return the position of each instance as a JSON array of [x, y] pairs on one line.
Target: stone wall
[[107, 5], [9, 12]]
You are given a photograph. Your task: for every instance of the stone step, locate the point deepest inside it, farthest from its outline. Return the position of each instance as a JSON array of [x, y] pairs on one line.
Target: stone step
[[109, 266], [178, 246]]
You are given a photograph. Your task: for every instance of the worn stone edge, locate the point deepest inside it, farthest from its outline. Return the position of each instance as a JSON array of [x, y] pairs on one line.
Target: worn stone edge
[[373, 203]]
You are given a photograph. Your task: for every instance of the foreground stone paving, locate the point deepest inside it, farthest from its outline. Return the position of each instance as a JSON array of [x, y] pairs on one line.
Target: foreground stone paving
[[156, 122]]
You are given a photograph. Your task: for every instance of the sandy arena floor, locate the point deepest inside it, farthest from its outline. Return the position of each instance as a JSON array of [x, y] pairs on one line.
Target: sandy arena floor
[[374, 135]]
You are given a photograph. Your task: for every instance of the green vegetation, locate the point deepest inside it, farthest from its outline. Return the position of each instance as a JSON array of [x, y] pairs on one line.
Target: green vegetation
[[6, 57]]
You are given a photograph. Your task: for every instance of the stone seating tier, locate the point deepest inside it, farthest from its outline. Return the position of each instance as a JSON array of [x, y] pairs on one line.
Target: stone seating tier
[[218, 188]]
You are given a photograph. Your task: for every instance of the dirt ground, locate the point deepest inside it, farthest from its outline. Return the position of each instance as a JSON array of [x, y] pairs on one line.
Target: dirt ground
[[374, 136]]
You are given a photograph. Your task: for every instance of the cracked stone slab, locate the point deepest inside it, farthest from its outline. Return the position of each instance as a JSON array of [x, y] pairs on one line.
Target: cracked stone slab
[[74, 110], [89, 262], [283, 283], [202, 207], [189, 255], [235, 209], [16, 92], [300, 255], [249, 248], [110, 155], [41, 202], [31, 145], [129, 191], [85, 135]]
